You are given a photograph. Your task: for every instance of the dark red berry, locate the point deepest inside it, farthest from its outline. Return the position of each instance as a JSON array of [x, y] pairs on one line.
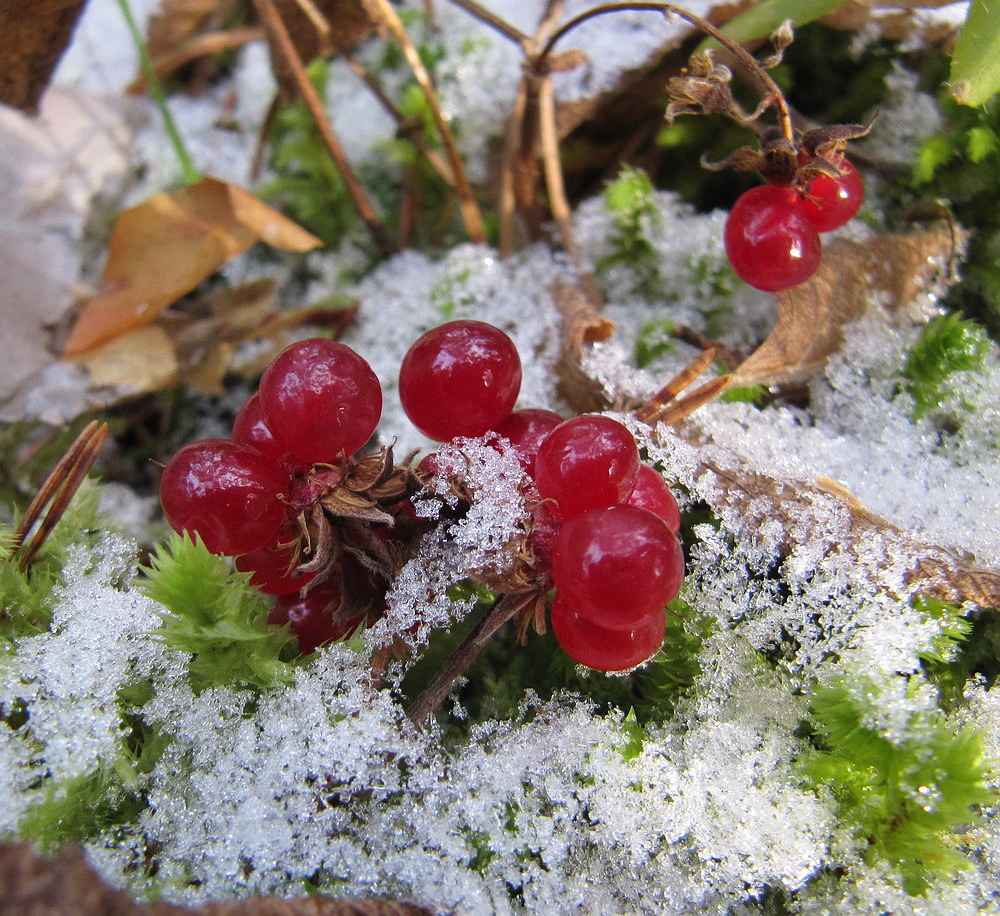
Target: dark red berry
[[770, 242], [601, 648], [272, 571], [584, 463], [651, 492], [228, 494], [314, 618], [831, 202], [320, 400], [617, 565], [526, 430], [459, 379]]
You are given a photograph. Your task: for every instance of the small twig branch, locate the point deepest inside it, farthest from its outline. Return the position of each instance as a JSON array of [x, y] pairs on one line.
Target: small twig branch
[[279, 35], [467, 200], [505, 28], [459, 662], [745, 57], [59, 488]]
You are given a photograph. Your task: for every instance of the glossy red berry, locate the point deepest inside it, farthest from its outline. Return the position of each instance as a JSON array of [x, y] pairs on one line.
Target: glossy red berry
[[770, 242], [831, 202], [314, 618], [271, 568], [526, 430], [249, 429], [459, 379], [617, 565], [584, 463], [228, 494], [320, 400], [651, 492], [601, 648]]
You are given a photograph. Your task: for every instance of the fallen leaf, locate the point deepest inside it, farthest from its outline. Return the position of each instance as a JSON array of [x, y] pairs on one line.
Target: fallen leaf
[[890, 270], [318, 29], [165, 246], [136, 362], [33, 36]]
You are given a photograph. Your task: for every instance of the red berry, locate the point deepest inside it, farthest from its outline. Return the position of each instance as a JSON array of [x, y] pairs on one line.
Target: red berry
[[617, 565], [526, 429], [313, 618], [459, 379], [272, 571], [651, 492], [831, 202], [770, 242], [249, 429], [586, 462], [542, 541], [320, 400], [602, 648], [228, 494]]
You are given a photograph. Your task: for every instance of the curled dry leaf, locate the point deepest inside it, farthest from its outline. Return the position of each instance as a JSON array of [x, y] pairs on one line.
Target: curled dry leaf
[[581, 324], [890, 271], [165, 246]]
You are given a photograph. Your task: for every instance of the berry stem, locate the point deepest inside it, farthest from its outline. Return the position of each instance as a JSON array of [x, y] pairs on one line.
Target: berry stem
[[738, 51], [435, 692]]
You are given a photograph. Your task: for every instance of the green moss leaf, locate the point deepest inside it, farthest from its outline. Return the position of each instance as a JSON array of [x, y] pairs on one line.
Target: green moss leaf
[[949, 344], [975, 63], [218, 617], [906, 796]]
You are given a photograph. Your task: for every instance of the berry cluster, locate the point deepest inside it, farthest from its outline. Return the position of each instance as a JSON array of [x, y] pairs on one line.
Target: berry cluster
[[605, 528], [248, 496], [772, 233]]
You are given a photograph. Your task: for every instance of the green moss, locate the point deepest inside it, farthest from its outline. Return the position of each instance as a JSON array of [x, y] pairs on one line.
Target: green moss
[[26, 597], [905, 797], [216, 615], [948, 345]]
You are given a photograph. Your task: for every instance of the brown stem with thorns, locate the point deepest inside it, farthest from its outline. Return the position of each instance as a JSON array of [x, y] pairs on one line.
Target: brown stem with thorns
[[738, 51], [279, 34], [467, 200], [59, 488]]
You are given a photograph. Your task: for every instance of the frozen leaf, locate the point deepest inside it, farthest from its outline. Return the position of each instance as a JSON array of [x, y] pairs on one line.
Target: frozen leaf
[[890, 269], [165, 246], [177, 21], [33, 36]]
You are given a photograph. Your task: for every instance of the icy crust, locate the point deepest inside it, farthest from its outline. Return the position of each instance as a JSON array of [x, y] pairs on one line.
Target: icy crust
[[481, 542]]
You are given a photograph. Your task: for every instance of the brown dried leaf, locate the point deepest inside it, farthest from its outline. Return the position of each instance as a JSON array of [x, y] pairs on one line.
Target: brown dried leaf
[[582, 324], [165, 246], [138, 361], [177, 21], [891, 269], [66, 885], [33, 36], [763, 501], [318, 29]]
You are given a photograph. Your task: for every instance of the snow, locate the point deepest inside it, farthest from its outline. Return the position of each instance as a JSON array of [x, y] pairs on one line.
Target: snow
[[326, 783]]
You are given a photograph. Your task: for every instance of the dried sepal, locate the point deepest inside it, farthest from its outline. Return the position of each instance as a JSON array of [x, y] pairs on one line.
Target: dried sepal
[[781, 38], [703, 88]]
